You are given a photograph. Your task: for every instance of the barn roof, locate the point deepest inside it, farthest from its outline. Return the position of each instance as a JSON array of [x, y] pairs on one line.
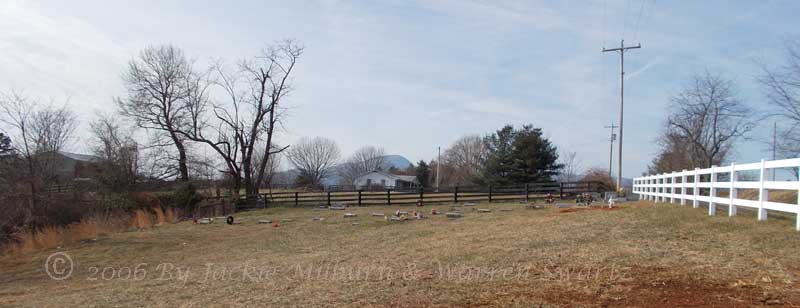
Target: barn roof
[[79, 157]]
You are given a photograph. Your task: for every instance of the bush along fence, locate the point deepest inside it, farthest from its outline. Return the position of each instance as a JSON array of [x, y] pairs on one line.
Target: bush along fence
[[454, 194], [722, 185]]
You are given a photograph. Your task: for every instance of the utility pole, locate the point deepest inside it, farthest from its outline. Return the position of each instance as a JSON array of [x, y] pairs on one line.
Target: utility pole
[[621, 51], [438, 167], [611, 148]]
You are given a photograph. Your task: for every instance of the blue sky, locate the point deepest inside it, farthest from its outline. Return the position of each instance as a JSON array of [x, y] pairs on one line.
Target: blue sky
[[413, 75]]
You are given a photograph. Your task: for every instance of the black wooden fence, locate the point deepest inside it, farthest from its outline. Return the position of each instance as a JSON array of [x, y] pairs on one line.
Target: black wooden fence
[[390, 196]]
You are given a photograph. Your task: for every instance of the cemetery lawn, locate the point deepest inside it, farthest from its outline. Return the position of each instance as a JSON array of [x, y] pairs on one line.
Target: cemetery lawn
[[640, 254]]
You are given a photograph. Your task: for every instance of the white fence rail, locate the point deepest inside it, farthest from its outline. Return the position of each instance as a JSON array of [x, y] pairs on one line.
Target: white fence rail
[[687, 186]]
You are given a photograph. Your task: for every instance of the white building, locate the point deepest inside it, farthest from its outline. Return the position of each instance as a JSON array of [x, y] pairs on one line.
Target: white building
[[386, 180]]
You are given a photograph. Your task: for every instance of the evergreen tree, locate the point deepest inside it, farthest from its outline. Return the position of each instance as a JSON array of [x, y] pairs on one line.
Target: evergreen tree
[[519, 156], [499, 163], [535, 158], [423, 173], [5, 143]]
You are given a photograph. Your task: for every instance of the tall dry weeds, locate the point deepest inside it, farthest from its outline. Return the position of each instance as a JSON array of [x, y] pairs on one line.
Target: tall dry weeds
[[89, 228]]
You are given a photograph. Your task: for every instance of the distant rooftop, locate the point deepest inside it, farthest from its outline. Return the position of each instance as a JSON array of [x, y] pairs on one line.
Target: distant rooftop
[[79, 157]]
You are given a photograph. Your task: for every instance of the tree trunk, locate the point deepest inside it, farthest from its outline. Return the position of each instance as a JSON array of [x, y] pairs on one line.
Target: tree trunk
[[182, 160], [250, 186], [236, 186]]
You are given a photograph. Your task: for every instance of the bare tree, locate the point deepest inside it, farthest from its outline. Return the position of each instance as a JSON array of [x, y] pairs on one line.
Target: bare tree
[[158, 83], [249, 116], [465, 157], [315, 159], [273, 164], [674, 154], [364, 160], [572, 165], [157, 160], [599, 175], [117, 151], [781, 85], [39, 133], [709, 117]]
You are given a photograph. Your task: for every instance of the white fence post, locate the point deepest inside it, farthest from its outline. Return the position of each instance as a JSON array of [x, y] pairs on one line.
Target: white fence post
[[763, 194], [695, 203], [672, 187], [734, 192], [712, 207], [659, 187], [683, 187], [637, 182]]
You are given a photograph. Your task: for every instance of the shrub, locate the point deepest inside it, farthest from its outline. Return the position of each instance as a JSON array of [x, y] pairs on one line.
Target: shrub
[[185, 198]]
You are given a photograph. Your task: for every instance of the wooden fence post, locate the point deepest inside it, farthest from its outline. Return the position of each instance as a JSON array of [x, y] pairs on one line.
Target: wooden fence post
[[329, 198], [527, 192], [422, 194], [389, 197], [359, 197], [561, 190], [296, 194], [455, 195], [490, 193]]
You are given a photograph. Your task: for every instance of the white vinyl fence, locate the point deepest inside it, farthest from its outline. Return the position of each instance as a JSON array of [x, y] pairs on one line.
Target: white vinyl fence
[[703, 185]]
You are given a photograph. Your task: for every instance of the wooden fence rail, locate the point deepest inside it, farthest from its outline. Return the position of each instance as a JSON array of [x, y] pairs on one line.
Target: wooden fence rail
[[390, 196]]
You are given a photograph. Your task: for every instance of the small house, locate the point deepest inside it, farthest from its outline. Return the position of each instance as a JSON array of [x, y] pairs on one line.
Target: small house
[[65, 166], [385, 180]]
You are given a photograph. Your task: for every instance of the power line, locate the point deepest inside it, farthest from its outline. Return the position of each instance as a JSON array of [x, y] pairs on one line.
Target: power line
[[638, 20], [625, 19], [647, 17], [605, 17]]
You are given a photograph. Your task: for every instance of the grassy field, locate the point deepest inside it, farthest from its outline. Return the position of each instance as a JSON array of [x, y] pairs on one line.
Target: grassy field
[[641, 254]]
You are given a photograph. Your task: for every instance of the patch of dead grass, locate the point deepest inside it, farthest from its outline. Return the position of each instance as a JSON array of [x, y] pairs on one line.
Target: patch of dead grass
[[641, 254]]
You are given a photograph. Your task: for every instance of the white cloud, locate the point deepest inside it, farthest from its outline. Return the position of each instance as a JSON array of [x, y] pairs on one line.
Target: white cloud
[[53, 57]]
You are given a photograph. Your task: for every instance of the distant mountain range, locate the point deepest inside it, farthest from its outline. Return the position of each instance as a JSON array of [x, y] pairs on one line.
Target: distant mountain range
[[397, 161], [389, 161]]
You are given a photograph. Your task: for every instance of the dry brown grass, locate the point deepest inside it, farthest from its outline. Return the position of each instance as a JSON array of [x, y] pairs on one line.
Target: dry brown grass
[[160, 217], [141, 220], [170, 216], [88, 229], [640, 255]]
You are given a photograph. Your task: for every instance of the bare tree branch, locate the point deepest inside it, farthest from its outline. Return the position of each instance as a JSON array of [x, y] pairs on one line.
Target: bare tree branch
[[158, 82], [315, 159], [707, 116]]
